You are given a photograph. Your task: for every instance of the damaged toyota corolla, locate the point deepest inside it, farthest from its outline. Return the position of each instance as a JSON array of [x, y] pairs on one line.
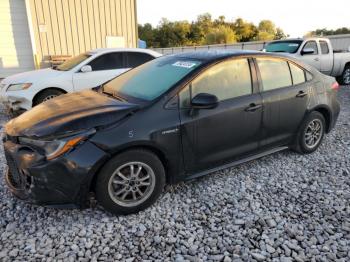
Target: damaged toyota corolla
[[171, 119]]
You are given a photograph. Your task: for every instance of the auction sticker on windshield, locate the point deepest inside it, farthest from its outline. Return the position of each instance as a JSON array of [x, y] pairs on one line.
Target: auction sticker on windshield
[[184, 64]]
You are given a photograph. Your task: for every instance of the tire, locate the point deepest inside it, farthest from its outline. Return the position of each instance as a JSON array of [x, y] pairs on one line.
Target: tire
[[306, 143], [47, 95], [109, 184], [345, 78]]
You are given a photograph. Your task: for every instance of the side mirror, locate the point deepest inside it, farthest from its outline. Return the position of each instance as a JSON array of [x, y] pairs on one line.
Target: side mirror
[[86, 69], [307, 51], [204, 101]]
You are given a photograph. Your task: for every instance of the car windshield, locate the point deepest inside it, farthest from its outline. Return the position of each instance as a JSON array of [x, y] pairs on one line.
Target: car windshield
[[152, 79], [284, 46], [70, 63]]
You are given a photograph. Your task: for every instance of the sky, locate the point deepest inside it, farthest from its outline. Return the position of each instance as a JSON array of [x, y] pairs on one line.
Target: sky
[[295, 17]]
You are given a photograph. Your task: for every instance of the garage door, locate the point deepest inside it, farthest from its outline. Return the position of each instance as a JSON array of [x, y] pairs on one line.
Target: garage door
[[15, 46]]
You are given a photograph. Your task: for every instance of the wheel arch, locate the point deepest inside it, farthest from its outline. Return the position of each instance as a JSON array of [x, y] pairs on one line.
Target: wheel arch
[[326, 113], [158, 152], [44, 90]]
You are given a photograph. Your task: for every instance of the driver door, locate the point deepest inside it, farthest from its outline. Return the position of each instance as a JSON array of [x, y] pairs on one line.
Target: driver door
[[104, 68], [212, 137]]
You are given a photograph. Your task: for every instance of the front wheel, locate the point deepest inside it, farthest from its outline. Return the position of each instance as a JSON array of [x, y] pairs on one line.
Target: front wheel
[[46, 95], [130, 182], [311, 133], [345, 78]]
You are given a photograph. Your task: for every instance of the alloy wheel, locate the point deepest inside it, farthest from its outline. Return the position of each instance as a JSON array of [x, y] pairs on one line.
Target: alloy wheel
[[346, 76], [313, 133], [49, 97], [131, 184]]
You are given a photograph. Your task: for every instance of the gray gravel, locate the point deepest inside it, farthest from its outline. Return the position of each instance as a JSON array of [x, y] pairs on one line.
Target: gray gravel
[[283, 207]]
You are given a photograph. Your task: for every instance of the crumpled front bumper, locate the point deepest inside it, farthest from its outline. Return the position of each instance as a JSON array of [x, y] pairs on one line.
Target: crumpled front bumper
[[59, 182], [15, 102]]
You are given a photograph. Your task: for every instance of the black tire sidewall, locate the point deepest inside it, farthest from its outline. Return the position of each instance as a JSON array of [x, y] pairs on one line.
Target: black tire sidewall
[[302, 148], [40, 98], [104, 175]]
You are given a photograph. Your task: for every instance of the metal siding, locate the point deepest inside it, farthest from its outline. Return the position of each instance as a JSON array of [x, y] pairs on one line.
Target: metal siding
[[76, 26], [15, 46]]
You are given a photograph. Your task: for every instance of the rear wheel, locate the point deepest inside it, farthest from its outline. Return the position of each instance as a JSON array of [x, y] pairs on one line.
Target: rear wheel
[[345, 79], [311, 133], [130, 182], [47, 95]]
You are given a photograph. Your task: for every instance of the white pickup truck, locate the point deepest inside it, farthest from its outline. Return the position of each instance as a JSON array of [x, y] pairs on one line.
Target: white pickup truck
[[317, 52]]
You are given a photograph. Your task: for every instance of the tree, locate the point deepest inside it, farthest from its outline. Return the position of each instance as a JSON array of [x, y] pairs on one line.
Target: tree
[[205, 30], [221, 35], [146, 33], [267, 30], [280, 34], [324, 31], [244, 31]]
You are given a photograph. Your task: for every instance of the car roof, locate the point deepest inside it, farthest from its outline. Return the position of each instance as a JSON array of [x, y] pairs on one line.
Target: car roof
[[110, 50], [211, 55]]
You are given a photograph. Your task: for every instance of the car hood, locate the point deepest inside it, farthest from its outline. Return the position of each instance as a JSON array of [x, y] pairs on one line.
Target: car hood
[[32, 76], [69, 113]]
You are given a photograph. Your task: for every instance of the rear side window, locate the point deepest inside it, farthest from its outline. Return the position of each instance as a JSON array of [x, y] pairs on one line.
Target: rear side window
[[274, 73], [134, 59], [324, 47], [225, 80], [298, 74], [107, 62]]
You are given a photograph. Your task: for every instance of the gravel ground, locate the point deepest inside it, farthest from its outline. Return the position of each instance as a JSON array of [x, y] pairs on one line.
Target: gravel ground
[[283, 207]]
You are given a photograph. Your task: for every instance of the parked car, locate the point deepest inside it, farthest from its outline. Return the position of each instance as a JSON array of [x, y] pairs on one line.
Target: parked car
[[317, 52], [85, 71], [174, 118]]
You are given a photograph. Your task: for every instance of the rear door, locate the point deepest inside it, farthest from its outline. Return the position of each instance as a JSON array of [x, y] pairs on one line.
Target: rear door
[[326, 58], [314, 58], [104, 68], [212, 137], [285, 95]]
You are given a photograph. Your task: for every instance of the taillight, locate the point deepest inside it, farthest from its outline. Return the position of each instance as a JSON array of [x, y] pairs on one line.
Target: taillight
[[335, 86]]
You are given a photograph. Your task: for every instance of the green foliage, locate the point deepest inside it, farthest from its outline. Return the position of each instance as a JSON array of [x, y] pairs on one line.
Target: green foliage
[[205, 30], [324, 31], [220, 35]]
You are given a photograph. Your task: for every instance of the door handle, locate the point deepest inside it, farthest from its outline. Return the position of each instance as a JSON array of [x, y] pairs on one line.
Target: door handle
[[316, 59], [252, 107], [301, 94]]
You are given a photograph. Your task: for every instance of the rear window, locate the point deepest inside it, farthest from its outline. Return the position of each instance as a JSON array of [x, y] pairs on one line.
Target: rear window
[[284, 46]]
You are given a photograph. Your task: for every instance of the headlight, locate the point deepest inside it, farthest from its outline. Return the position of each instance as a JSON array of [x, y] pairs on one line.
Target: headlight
[[56, 147], [17, 87]]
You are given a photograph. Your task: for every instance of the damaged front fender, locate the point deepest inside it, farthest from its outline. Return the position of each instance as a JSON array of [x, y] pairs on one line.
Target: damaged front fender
[[62, 181]]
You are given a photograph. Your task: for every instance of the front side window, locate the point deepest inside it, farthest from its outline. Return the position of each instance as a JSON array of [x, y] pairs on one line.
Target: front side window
[[311, 45], [135, 59], [107, 62], [226, 80], [324, 47], [298, 74], [70, 63], [151, 80], [274, 73]]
